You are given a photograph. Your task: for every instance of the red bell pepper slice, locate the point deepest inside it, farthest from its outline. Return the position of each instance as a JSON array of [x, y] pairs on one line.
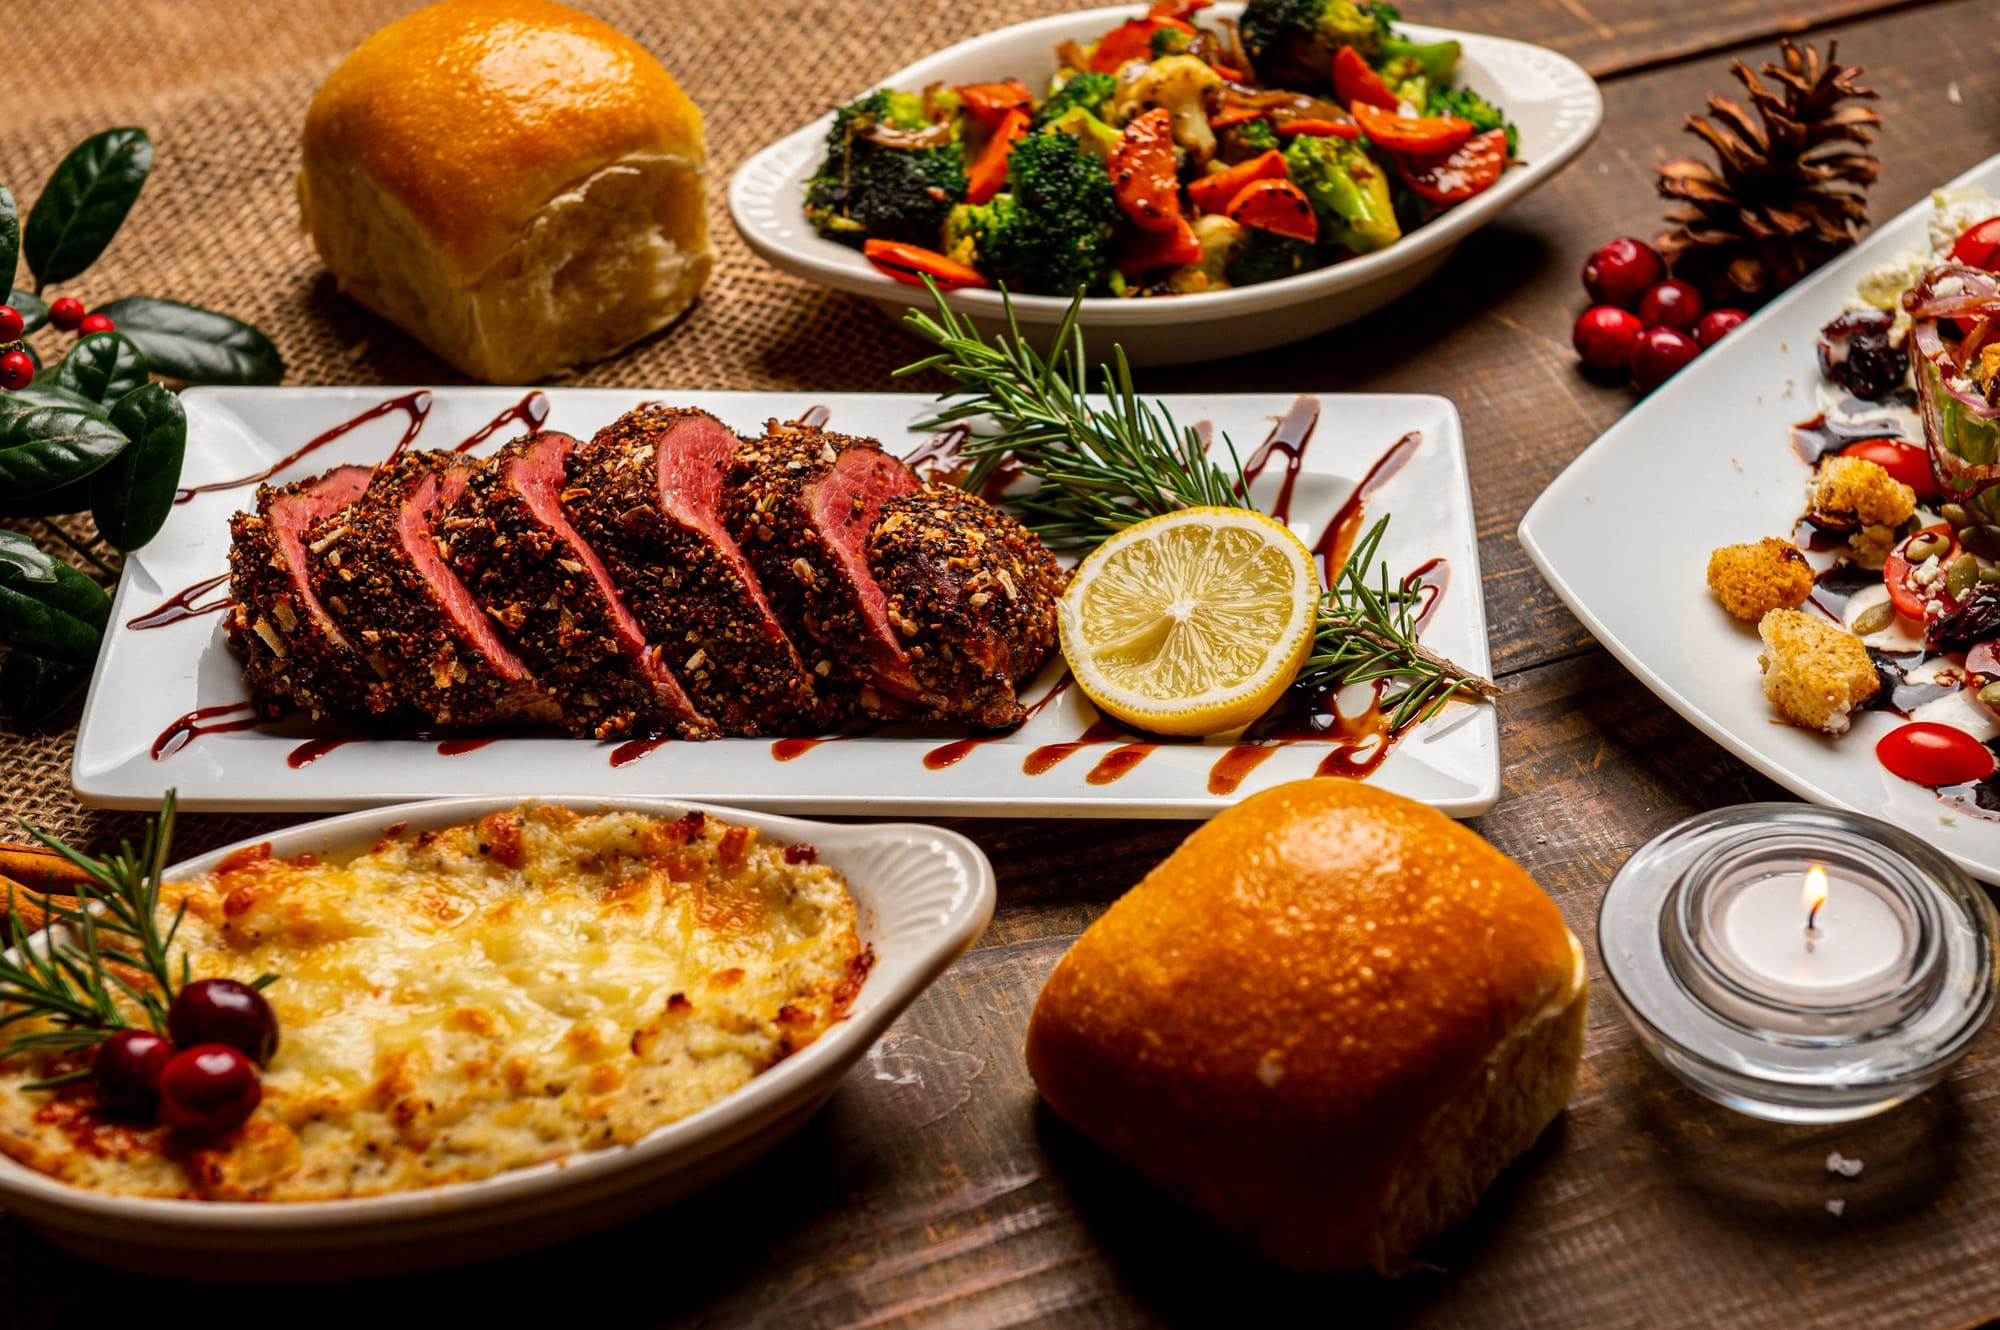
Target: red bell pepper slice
[[906, 262], [988, 175], [1142, 173], [989, 103], [1277, 206], [1453, 177], [1234, 115], [1149, 251], [1334, 129], [1354, 81], [1180, 9], [1402, 133], [1213, 192], [1131, 41]]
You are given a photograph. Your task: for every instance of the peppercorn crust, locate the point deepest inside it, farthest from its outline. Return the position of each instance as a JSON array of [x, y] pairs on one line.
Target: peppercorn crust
[[1753, 580], [1815, 673], [487, 997], [1328, 1020]]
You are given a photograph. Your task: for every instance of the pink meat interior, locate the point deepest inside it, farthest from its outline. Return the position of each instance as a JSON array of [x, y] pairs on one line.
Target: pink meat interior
[[692, 454], [291, 515], [413, 527], [845, 507]]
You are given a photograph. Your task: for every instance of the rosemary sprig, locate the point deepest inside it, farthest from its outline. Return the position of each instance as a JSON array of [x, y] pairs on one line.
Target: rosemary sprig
[[1102, 468]]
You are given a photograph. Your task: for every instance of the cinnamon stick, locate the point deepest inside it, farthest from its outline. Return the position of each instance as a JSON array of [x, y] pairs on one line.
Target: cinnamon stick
[[40, 870]]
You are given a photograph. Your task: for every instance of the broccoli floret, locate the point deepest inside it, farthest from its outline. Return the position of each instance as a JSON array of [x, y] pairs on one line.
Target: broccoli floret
[[1246, 139], [1171, 41], [1348, 191], [1096, 138], [1265, 257], [1436, 61], [1292, 42], [1050, 233], [865, 188], [1086, 92], [1469, 105]]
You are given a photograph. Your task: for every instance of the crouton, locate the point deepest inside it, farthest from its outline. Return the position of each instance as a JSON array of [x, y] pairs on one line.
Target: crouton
[[1753, 580], [1846, 492], [1815, 673]]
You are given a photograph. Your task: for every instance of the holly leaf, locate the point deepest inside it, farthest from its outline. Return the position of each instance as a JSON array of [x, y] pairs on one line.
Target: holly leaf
[[131, 495], [85, 202], [195, 344], [103, 367], [10, 241], [61, 620], [33, 309], [19, 553], [50, 437], [34, 690]]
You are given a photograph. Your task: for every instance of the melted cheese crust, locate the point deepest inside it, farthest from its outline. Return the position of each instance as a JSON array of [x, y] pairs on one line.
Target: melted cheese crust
[[463, 1002]]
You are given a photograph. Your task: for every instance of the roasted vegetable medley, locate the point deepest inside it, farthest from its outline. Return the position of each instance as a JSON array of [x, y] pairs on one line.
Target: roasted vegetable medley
[[1168, 157]]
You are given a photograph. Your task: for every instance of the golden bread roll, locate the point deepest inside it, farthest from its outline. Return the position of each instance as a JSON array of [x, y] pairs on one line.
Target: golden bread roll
[[517, 184], [1328, 1020]]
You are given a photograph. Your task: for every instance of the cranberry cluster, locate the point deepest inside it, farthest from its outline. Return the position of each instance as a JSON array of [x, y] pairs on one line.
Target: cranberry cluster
[[202, 1080], [1643, 322], [17, 367]]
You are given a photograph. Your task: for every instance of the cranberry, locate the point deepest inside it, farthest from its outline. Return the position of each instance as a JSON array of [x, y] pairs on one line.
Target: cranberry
[[1621, 271], [96, 323], [208, 1090], [1671, 304], [1872, 368], [17, 370], [12, 325], [1717, 324], [222, 1011], [127, 1071], [1659, 354], [1604, 336], [66, 313]]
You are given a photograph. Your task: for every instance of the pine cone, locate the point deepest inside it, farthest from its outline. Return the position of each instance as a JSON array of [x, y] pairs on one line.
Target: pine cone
[[1791, 192]]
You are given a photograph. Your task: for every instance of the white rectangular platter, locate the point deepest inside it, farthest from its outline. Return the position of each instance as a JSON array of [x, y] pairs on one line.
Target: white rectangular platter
[[147, 678]]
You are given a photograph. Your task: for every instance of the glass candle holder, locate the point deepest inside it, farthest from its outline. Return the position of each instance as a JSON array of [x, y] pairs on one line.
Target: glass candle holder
[[1800, 964]]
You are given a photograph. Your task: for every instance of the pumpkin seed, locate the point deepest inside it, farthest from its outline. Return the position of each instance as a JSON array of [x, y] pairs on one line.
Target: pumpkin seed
[[1961, 575], [1990, 694], [1982, 540], [1957, 514], [1874, 619], [1925, 545], [1989, 574]]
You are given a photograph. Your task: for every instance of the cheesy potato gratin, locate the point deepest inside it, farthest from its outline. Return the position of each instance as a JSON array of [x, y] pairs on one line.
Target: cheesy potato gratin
[[463, 1002]]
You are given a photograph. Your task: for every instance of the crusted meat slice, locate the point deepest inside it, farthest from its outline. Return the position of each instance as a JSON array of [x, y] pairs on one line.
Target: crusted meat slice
[[973, 595], [646, 493], [294, 654], [802, 502], [515, 550], [377, 567]]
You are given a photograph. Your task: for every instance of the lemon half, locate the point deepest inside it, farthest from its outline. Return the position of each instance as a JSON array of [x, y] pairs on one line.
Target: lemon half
[[1192, 622]]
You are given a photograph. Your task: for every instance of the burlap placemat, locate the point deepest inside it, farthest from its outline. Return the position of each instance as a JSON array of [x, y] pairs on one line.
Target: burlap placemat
[[223, 89]]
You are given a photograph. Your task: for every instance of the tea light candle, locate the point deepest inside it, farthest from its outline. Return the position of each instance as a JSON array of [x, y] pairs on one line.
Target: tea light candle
[[1812, 938]]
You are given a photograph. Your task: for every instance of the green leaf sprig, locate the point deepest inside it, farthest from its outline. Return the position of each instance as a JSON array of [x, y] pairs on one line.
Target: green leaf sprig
[[94, 432], [1101, 468]]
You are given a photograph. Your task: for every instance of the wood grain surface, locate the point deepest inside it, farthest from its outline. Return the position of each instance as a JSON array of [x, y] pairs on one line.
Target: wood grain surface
[[934, 1191]]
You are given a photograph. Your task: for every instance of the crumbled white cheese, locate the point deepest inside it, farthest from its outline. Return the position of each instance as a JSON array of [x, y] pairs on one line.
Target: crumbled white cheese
[[1835, 1208], [1841, 1164]]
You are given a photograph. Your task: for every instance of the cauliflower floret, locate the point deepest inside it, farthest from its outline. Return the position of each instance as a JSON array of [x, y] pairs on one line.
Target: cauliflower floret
[[1177, 83], [1220, 239], [1753, 580], [1815, 673]]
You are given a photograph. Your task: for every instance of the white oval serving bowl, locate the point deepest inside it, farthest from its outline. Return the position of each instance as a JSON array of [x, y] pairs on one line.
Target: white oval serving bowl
[[1549, 97], [922, 896]]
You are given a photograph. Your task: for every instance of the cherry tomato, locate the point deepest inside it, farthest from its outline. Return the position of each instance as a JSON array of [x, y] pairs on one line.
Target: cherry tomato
[[988, 175], [1906, 462], [1354, 81], [1142, 173], [1933, 754], [905, 262], [1454, 177], [1404, 133], [1979, 245], [1911, 598]]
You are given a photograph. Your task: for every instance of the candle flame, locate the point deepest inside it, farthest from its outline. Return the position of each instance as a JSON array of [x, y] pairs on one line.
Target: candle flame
[[1815, 892]]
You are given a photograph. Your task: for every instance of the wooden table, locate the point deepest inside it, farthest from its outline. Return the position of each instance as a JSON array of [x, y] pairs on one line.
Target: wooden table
[[934, 1190]]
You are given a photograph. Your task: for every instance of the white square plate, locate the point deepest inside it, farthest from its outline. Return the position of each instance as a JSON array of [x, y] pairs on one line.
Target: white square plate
[[146, 678], [1625, 533]]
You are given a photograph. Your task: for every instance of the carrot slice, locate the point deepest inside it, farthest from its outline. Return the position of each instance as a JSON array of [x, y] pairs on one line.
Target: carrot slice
[[989, 103], [905, 263], [1142, 172], [1180, 9], [1277, 206], [1332, 129], [988, 175], [1149, 251], [1354, 81], [1234, 115], [1402, 133], [1213, 192]]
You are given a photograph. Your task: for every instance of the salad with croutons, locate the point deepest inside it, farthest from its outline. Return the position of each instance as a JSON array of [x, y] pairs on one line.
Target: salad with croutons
[[1168, 157]]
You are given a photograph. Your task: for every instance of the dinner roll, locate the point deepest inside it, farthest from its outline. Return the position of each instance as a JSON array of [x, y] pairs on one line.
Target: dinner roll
[[517, 184], [1328, 1020]]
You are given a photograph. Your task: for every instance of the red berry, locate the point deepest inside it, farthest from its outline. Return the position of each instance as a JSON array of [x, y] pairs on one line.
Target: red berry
[[1670, 304], [12, 325], [222, 1011], [1604, 336], [127, 1071], [208, 1090], [66, 313], [1715, 324], [96, 323], [1621, 271], [17, 370], [1658, 355]]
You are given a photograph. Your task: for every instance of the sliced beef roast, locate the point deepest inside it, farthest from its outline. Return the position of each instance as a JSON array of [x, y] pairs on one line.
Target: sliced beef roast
[[509, 541], [802, 502], [645, 493], [377, 567], [972, 594], [294, 653]]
